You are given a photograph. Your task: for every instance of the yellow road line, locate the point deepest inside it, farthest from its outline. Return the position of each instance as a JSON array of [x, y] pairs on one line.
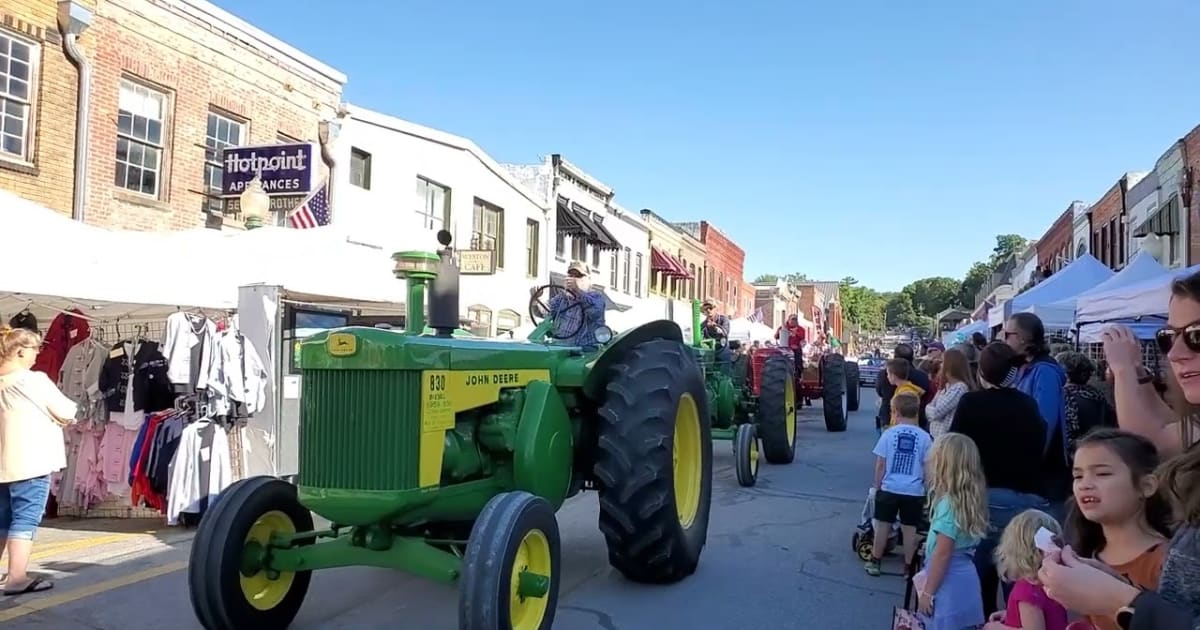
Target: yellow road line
[[41, 551], [96, 588]]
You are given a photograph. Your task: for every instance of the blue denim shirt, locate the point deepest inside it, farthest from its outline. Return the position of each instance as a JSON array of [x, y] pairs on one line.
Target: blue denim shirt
[[567, 317]]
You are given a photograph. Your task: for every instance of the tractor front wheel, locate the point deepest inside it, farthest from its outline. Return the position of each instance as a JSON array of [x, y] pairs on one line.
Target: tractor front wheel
[[745, 455], [654, 463], [852, 386], [228, 589], [511, 567], [776, 416], [833, 392]]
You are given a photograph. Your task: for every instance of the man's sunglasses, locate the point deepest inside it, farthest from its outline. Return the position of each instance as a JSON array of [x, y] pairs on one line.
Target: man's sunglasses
[[1167, 335], [574, 274]]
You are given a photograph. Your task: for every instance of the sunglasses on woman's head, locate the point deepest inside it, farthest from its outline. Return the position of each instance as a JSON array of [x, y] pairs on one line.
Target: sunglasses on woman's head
[[1190, 334]]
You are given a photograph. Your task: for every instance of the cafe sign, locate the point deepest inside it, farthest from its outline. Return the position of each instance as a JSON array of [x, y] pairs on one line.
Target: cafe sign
[[284, 169], [476, 262]]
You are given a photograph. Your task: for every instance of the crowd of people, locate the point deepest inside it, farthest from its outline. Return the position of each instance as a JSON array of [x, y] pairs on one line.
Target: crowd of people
[[1054, 493]]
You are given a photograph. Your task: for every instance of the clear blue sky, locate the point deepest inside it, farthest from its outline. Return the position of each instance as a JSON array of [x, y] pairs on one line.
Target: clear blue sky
[[858, 138]]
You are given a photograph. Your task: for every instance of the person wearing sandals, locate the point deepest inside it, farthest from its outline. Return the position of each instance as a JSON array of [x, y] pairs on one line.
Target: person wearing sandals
[[32, 414]]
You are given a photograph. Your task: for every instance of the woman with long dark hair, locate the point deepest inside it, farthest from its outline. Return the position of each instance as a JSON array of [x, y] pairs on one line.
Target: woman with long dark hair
[[1088, 589], [1008, 430]]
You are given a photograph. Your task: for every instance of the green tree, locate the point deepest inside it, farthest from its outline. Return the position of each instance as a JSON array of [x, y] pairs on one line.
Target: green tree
[[930, 296], [862, 306], [767, 278], [976, 276], [1007, 245], [899, 311]]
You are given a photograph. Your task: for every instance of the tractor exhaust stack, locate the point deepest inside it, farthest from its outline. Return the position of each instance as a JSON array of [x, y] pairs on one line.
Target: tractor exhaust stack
[[443, 291]]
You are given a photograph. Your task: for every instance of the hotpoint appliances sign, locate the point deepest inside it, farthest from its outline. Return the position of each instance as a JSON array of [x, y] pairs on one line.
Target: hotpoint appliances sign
[[286, 169]]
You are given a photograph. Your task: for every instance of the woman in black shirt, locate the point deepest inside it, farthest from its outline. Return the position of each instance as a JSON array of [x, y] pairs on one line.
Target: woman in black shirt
[[1008, 429]]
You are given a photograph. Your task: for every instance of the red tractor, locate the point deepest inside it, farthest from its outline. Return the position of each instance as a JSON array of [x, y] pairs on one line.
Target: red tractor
[[834, 381]]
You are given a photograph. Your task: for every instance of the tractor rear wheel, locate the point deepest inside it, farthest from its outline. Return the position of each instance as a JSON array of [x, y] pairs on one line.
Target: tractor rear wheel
[[833, 392], [226, 592], [852, 386], [776, 416], [511, 570], [654, 463], [745, 455]]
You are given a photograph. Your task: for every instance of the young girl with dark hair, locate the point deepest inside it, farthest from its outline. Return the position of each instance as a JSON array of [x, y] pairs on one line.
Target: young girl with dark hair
[[1117, 515]]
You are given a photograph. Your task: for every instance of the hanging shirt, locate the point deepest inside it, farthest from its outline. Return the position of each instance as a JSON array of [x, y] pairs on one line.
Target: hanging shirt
[[237, 375], [183, 332], [65, 331], [202, 444]]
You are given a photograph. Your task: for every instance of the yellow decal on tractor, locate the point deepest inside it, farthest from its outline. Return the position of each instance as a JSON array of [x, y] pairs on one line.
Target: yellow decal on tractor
[[342, 345], [445, 393]]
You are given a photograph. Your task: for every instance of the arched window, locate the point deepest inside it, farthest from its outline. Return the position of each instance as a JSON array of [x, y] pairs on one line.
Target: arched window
[[506, 320], [480, 318], [693, 283]]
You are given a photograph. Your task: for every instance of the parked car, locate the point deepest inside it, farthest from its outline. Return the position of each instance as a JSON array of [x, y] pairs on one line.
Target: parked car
[[869, 369]]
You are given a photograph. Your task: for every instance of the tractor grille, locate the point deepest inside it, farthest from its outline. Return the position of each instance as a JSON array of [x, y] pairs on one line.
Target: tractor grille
[[360, 429]]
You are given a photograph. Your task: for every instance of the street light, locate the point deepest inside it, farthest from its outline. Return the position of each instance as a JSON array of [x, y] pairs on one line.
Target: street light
[[255, 204]]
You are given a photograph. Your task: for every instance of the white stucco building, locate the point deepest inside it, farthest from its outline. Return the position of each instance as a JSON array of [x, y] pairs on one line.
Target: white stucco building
[[1081, 228], [398, 183], [589, 226]]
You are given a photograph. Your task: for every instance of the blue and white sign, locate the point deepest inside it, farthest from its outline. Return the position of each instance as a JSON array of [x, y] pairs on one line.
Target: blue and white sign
[[286, 169]]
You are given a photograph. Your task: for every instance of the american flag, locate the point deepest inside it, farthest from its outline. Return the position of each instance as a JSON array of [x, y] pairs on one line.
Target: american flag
[[312, 212], [756, 317]]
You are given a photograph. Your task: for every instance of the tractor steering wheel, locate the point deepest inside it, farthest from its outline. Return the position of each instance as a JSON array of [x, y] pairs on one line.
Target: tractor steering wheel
[[539, 309]]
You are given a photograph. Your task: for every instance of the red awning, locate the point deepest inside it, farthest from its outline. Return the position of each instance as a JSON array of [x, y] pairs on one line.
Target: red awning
[[667, 264]]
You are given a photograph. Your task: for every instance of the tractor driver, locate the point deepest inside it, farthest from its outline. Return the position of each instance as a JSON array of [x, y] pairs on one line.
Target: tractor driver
[[716, 327], [567, 317]]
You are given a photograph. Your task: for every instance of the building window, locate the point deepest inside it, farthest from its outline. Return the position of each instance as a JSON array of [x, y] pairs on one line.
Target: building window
[[479, 319], [531, 247], [18, 67], [579, 249], [141, 118], [433, 204], [360, 168], [614, 270], [487, 229], [1122, 238], [595, 258], [560, 244], [223, 131], [637, 274], [628, 270]]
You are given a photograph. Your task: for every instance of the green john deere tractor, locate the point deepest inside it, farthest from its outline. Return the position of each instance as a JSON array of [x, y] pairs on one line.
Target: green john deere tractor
[[752, 404], [447, 458]]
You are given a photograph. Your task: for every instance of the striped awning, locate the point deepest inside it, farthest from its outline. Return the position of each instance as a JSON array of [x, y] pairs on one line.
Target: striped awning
[[601, 238], [1164, 221], [667, 264]]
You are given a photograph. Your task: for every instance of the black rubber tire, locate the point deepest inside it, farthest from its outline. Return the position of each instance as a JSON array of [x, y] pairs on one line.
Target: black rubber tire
[[485, 590], [216, 556], [745, 455], [634, 474], [772, 418], [833, 389], [864, 546], [852, 386]]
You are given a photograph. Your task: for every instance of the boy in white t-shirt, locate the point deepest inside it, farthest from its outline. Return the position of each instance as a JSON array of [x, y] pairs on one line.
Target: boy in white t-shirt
[[900, 479]]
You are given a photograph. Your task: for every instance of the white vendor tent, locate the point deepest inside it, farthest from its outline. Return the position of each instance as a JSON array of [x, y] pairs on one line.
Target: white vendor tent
[[742, 329], [1142, 306], [1060, 315], [1082, 274], [62, 264]]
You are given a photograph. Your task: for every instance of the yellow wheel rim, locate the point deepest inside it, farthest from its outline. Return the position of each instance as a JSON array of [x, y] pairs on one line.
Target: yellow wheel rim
[[754, 456], [261, 591], [789, 410], [686, 458], [533, 555]]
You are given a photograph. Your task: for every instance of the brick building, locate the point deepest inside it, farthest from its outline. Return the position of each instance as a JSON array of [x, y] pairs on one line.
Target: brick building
[[723, 266], [37, 145], [1191, 206], [173, 82], [1054, 247], [1110, 229]]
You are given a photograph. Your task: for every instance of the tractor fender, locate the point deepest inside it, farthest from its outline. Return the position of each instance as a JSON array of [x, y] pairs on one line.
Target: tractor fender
[[597, 378]]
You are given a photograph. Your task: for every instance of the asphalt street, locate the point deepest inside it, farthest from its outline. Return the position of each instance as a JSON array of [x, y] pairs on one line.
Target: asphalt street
[[778, 556]]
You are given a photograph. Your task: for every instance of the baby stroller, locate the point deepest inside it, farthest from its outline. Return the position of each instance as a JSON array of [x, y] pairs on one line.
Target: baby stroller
[[863, 540]]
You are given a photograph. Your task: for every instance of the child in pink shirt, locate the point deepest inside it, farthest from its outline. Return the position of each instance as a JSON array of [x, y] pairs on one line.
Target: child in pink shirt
[[1019, 559]]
